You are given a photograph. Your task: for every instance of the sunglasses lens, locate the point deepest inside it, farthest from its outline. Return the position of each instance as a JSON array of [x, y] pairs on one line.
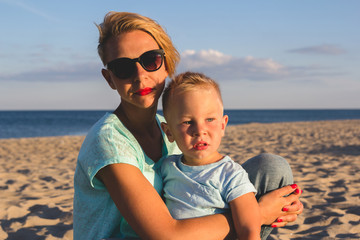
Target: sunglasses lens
[[125, 67], [151, 61]]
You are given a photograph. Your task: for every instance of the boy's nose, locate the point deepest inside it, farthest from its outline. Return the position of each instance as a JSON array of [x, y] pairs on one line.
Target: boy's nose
[[199, 130]]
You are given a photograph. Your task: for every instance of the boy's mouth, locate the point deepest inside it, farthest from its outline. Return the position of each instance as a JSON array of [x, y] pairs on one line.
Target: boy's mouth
[[144, 91], [201, 145]]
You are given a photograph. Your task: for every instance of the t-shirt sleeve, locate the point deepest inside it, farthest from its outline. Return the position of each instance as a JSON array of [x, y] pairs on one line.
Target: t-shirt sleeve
[[100, 150], [236, 182]]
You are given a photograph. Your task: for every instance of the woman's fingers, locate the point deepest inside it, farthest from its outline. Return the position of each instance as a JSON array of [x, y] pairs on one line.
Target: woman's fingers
[[292, 210], [291, 190], [279, 204], [278, 224], [295, 207], [272, 204], [286, 219], [283, 220]]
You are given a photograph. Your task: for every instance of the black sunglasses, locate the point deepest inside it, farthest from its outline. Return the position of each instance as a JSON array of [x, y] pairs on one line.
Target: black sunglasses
[[126, 67]]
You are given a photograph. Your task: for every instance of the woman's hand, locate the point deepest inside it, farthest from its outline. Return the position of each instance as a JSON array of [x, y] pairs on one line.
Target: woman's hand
[[292, 212], [279, 208]]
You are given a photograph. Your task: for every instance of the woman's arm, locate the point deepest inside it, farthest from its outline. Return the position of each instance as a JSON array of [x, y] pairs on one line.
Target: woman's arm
[[246, 216], [278, 207], [147, 214]]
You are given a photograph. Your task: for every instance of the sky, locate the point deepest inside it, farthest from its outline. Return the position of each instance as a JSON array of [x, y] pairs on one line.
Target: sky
[[264, 54]]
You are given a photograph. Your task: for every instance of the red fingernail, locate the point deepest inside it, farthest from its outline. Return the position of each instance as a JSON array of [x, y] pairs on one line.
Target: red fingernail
[[285, 209], [279, 220], [297, 191], [273, 225], [294, 185]]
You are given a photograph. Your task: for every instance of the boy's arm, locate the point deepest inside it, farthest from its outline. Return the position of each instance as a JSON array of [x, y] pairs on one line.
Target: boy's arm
[[246, 216]]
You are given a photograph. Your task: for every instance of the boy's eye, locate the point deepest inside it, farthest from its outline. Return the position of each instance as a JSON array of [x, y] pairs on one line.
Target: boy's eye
[[187, 122], [210, 119]]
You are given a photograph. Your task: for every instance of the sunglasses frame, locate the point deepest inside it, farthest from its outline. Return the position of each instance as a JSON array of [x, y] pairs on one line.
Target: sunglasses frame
[[112, 64]]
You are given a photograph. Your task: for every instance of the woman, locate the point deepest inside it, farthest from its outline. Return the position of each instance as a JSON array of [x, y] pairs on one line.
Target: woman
[[116, 183]]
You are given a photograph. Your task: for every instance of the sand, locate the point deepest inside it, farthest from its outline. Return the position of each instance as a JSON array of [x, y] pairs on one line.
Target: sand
[[36, 178]]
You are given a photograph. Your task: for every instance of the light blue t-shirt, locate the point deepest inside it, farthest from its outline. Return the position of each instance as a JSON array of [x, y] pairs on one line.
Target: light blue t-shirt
[[109, 142], [195, 191]]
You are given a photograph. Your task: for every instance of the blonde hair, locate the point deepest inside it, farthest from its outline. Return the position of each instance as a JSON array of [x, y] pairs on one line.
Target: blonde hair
[[116, 23], [188, 81]]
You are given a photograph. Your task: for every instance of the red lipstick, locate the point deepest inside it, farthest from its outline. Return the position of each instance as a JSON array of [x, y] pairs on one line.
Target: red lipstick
[[144, 91]]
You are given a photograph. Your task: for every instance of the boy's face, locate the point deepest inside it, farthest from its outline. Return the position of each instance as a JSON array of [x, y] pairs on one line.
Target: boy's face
[[195, 121]]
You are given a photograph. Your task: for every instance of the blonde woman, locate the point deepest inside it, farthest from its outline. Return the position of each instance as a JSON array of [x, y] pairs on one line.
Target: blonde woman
[[117, 185]]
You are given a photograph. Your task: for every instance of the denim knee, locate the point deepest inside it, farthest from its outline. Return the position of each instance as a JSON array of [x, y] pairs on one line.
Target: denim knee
[[268, 172]]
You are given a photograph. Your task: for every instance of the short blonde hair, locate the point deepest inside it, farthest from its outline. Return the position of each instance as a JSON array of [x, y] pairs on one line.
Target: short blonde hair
[[116, 23], [188, 81]]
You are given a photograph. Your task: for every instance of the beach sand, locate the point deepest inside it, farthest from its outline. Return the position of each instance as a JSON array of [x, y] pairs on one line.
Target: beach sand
[[36, 178]]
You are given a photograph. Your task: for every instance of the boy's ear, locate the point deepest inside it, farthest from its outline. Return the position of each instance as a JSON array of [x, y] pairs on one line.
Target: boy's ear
[[167, 131], [224, 123], [107, 77]]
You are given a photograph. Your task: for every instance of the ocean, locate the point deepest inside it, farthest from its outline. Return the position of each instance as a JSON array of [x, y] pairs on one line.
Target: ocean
[[19, 124]]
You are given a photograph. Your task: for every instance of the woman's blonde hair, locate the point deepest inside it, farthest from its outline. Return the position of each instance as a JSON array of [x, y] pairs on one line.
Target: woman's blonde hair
[[116, 23], [187, 81]]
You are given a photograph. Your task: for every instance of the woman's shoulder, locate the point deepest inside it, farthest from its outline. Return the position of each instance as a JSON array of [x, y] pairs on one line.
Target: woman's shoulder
[[108, 122], [108, 142], [109, 126], [108, 131]]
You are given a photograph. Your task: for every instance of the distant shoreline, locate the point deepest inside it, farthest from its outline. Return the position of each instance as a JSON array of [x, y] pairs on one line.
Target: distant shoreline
[[18, 124]]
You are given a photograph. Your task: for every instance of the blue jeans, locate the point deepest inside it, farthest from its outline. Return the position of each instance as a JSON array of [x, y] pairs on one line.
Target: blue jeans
[[268, 172]]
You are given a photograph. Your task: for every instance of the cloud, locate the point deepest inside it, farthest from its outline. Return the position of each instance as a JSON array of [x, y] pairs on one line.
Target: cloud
[[225, 67], [325, 49], [213, 63], [203, 58], [72, 73]]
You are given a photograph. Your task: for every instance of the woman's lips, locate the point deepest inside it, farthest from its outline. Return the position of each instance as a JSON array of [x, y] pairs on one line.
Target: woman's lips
[[144, 91]]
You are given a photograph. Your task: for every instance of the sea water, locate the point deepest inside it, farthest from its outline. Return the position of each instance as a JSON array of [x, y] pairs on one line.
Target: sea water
[[18, 124]]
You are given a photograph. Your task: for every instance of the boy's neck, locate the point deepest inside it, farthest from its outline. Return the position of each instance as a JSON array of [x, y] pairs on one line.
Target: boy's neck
[[213, 158]]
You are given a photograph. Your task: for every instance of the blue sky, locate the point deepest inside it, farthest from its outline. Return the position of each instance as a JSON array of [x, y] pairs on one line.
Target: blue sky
[[265, 54]]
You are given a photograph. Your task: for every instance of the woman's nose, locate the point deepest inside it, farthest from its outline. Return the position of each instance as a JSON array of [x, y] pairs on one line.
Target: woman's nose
[[139, 71]]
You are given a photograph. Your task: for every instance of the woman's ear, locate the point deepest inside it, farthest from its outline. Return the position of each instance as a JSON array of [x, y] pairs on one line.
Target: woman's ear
[[108, 78], [166, 129]]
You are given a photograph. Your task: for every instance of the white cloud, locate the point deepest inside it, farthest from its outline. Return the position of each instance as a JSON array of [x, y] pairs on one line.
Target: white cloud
[[224, 67], [263, 65], [203, 58]]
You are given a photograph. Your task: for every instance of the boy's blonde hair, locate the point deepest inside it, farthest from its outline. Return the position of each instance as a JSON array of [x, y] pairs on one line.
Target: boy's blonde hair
[[188, 81], [116, 23]]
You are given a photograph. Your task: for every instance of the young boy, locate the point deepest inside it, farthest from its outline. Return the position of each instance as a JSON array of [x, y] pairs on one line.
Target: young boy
[[201, 181]]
